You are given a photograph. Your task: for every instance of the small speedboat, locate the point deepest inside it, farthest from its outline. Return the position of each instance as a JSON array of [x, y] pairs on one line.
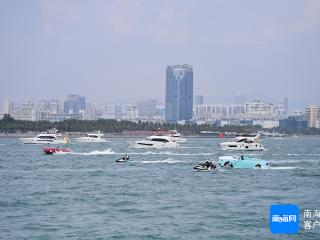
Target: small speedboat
[[206, 166], [52, 150]]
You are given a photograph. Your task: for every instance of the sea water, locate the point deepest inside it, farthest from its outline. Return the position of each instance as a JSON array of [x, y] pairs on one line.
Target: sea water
[[87, 195]]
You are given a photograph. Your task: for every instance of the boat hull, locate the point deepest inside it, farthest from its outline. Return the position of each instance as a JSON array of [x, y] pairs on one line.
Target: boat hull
[[242, 146], [50, 150], [202, 168], [91, 140], [149, 145], [42, 141]]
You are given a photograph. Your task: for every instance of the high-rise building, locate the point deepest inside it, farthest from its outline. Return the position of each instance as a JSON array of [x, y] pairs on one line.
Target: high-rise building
[[293, 122], [179, 93], [49, 105], [8, 106], [297, 112], [90, 112], [147, 109], [74, 104], [28, 105], [313, 116], [127, 111], [198, 100], [109, 111], [258, 108], [213, 112], [285, 104]]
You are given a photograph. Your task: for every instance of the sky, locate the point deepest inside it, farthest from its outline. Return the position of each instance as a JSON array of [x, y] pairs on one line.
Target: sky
[[117, 51]]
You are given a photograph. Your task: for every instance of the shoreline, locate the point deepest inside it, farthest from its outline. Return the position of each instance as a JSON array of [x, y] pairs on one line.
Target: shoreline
[[106, 135], [123, 135]]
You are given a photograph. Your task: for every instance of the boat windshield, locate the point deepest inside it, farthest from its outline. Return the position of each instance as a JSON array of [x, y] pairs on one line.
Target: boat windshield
[[92, 136], [158, 140], [46, 137], [242, 140]]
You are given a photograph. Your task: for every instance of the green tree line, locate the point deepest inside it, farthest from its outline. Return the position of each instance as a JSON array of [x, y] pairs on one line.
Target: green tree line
[[10, 125]]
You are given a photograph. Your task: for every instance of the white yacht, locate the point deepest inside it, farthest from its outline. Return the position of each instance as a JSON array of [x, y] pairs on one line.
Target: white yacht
[[176, 137], [94, 137], [52, 137], [246, 143], [156, 142]]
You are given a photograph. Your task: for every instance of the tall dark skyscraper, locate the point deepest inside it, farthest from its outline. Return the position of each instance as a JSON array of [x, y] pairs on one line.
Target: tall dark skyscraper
[[179, 93], [74, 104]]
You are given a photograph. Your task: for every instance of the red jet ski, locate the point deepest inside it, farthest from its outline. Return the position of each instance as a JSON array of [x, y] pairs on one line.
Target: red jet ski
[[52, 150]]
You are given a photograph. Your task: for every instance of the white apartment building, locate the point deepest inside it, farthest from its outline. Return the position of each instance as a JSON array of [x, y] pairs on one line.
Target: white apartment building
[[258, 108], [8, 106], [129, 112], [212, 112], [313, 116], [49, 105]]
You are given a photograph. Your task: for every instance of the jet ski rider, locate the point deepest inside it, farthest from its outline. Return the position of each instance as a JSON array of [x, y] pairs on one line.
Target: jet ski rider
[[209, 164], [126, 157]]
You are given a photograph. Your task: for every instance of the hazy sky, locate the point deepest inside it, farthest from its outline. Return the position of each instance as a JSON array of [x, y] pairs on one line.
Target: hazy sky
[[112, 51]]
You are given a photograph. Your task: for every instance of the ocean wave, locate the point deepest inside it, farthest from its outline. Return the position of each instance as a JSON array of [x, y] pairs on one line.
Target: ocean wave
[[54, 170], [169, 153], [293, 154], [303, 154], [192, 147], [109, 151], [283, 161], [292, 161], [168, 160], [251, 154]]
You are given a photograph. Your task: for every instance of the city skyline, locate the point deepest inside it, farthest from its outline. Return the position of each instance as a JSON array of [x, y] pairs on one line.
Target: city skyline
[[179, 108], [117, 51], [232, 100]]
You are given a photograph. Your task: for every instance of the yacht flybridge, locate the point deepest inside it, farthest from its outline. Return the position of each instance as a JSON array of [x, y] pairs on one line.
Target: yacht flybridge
[[52, 137], [174, 134], [156, 142], [93, 137], [246, 143]]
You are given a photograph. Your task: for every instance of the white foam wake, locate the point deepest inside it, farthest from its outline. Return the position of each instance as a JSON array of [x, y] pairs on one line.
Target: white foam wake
[[168, 160], [282, 168], [96, 152]]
